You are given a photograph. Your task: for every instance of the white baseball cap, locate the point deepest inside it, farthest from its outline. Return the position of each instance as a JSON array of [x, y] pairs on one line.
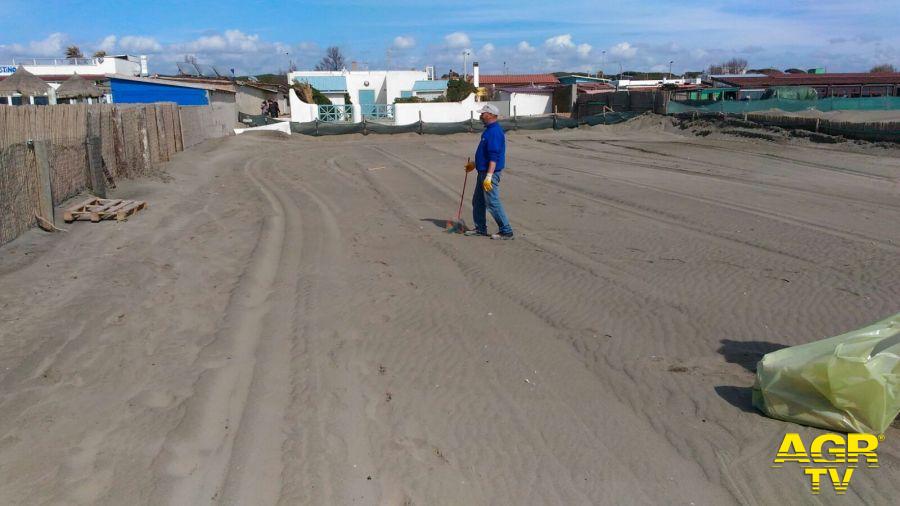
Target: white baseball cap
[[490, 108]]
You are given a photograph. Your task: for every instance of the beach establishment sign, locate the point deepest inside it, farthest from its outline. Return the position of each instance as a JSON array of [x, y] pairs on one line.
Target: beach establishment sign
[[7, 69]]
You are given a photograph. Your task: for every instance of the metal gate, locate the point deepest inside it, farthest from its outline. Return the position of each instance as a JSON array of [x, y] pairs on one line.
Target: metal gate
[[336, 113], [378, 111]]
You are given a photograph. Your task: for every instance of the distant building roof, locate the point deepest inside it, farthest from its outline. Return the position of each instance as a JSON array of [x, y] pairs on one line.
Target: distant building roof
[[516, 79], [534, 90], [325, 84], [721, 76], [812, 79], [432, 85], [167, 82], [575, 78]]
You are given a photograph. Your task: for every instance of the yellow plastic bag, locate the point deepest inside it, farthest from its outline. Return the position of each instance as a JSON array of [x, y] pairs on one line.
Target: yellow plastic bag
[[848, 383]]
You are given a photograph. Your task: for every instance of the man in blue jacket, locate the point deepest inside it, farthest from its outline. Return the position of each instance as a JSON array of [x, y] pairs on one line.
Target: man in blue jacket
[[490, 159]]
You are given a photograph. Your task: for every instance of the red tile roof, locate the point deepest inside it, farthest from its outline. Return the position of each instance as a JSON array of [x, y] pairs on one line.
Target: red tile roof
[[815, 79], [517, 79]]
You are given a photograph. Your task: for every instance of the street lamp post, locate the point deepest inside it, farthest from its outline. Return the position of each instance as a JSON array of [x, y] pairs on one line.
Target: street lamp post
[[670, 68], [465, 65]]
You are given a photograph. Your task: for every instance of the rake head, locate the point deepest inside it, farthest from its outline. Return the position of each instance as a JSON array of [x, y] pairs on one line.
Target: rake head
[[456, 227]]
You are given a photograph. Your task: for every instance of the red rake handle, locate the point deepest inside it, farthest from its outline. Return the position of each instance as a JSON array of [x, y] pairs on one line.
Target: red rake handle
[[462, 195]]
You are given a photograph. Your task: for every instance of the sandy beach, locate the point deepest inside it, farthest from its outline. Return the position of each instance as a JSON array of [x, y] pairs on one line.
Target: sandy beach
[[288, 323]]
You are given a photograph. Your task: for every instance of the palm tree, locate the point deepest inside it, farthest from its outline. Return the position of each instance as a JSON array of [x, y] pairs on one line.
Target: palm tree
[[99, 54], [74, 52]]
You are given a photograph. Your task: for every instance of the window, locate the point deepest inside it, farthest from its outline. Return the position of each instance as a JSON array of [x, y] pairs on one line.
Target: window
[[41, 100]]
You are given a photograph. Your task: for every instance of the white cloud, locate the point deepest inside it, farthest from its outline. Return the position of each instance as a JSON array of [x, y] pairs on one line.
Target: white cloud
[[584, 50], [623, 50], [53, 45], [525, 47], [559, 42], [486, 50], [457, 39], [139, 44], [108, 43], [402, 42]]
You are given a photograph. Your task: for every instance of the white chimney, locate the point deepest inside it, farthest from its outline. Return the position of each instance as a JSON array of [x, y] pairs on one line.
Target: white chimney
[[475, 74], [145, 71]]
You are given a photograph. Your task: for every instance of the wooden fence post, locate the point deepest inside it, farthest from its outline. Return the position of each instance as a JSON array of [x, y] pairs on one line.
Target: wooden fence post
[[145, 142], [42, 153], [95, 165]]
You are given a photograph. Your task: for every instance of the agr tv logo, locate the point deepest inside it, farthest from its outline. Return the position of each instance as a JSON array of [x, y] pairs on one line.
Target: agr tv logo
[[830, 457]]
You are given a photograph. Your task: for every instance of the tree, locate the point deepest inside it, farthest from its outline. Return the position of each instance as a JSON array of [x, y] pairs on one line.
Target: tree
[[100, 54], [333, 60], [458, 90], [732, 66], [74, 52], [884, 67]]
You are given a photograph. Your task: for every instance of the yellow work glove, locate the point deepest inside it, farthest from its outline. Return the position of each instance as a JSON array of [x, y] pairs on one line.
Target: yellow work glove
[[470, 166], [488, 183]]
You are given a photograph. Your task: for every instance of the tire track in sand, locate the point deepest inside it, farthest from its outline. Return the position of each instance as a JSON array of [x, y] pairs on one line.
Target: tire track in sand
[[204, 449]]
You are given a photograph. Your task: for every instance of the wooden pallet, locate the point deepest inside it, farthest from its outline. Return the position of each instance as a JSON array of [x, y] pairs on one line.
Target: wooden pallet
[[96, 209]]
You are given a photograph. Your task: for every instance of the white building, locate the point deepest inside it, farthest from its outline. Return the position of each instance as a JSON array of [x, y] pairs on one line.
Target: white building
[[55, 71], [51, 67], [624, 84], [373, 90]]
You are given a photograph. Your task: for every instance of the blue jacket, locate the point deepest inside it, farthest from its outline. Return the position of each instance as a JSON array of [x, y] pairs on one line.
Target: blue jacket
[[491, 148]]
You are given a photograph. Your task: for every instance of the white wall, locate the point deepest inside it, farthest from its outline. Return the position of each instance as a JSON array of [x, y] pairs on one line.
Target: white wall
[[301, 112], [336, 98], [437, 112], [281, 126], [528, 104], [401, 80]]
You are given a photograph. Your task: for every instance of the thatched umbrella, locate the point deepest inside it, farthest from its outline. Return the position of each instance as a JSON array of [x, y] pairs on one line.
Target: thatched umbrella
[[24, 83], [78, 87]]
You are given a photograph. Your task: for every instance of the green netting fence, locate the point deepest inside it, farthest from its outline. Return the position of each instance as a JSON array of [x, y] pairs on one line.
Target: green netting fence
[[788, 105], [319, 128]]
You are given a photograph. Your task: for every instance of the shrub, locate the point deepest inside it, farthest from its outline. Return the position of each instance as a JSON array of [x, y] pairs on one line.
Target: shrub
[[458, 90]]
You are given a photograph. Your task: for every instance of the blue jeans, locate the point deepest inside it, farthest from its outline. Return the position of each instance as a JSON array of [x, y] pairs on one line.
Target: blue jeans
[[490, 200]]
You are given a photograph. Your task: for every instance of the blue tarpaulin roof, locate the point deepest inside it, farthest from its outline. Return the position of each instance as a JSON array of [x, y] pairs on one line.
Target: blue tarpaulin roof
[[325, 83], [432, 85]]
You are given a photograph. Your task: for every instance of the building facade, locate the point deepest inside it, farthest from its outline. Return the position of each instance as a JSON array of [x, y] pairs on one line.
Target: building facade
[[364, 87]]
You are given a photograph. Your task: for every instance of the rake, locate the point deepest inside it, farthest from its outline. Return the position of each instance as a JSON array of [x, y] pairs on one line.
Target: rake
[[458, 226]]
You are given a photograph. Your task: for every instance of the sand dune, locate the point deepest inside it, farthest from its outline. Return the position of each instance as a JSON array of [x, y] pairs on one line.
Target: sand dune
[[288, 323]]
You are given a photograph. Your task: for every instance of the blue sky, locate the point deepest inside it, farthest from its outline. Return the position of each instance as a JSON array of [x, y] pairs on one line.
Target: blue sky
[[529, 36]]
